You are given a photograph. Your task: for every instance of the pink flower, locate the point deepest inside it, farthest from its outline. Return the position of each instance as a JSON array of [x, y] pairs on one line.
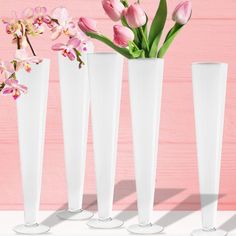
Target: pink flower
[[68, 49], [65, 23], [22, 60], [12, 87], [135, 16], [6, 69], [182, 12], [122, 36], [113, 8], [40, 16], [28, 13], [87, 25]]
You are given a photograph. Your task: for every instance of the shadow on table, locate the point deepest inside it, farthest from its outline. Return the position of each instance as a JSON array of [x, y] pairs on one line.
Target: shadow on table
[[183, 210], [122, 189], [230, 224], [162, 194]]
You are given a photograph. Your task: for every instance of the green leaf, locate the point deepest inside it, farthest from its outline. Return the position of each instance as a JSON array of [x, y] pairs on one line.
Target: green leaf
[[125, 3], [123, 51], [158, 22], [154, 48], [134, 50], [169, 39]]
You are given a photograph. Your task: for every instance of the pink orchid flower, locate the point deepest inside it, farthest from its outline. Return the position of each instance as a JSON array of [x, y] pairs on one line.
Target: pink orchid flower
[[14, 26], [36, 17], [12, 87], [6, 69], [41, 16], [65, 24], [68, 49], [22, 60]]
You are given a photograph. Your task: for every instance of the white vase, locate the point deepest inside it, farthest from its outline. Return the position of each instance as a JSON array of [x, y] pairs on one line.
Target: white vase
[[31, 112], [105, 77], [145, 84], [209, 92], [75, 113]]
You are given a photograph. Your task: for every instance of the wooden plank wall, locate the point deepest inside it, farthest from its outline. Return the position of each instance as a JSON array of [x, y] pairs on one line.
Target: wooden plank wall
[[211, 35]]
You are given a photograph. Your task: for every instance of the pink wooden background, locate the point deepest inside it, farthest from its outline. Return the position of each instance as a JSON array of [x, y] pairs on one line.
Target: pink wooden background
[[211, 35]]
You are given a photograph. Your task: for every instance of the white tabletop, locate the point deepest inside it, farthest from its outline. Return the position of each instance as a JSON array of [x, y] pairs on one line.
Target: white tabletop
[[175, 223]]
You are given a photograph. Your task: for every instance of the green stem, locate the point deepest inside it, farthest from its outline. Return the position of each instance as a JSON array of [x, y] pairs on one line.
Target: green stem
[[108, 42], [144, 37]]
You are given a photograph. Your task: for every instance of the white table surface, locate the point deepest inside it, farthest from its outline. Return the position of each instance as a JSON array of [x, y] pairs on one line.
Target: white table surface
[[175, 223]]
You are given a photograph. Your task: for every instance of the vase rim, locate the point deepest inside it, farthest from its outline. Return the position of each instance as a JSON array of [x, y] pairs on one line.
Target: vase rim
[[146, 59], [103, 53], [209, 63], [45, 59]]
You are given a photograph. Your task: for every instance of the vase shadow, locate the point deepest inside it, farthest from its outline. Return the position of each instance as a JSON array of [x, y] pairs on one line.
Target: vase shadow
[[162, 194], [123, 189], [229, 225], [186, 208]]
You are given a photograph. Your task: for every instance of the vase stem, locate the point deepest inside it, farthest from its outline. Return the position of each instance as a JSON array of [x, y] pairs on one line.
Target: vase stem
[[209, 92], [31, 112], [75, 114], [105, 77], [145, 83]]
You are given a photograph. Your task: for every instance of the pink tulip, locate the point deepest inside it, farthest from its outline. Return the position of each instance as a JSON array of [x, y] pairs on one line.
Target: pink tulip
[[12, 87], [122, 36], [182, 12], [135, 16], [113, 8], [68, 49], [87, 25]]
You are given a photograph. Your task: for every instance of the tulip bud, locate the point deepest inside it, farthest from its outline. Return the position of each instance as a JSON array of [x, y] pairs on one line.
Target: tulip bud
[[135, 16], [182, 12], [87, 25], [113, 9], [122, 36]]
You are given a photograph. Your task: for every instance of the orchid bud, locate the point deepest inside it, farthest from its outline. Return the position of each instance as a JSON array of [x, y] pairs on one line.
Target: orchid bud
[[122, 36], [135, 16], [113, 9], [182, 12], [87, 25]]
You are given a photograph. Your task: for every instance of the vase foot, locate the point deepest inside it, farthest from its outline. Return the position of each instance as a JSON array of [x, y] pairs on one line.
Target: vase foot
[[105, 224], [31, 229], [201, 232], [79, 215], [146, 229]]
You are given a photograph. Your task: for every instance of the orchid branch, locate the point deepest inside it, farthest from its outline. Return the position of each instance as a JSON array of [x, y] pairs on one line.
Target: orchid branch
[[31, 47]]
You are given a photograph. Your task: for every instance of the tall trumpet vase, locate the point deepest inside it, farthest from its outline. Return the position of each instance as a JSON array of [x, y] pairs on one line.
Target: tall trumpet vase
[[31, 112], [145, 84], [209, 92], [75, 113], [105, 77]]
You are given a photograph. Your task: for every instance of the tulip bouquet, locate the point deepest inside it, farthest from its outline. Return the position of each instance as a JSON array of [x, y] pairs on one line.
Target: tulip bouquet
[[132, 38], [63, 24], [31, 23]]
